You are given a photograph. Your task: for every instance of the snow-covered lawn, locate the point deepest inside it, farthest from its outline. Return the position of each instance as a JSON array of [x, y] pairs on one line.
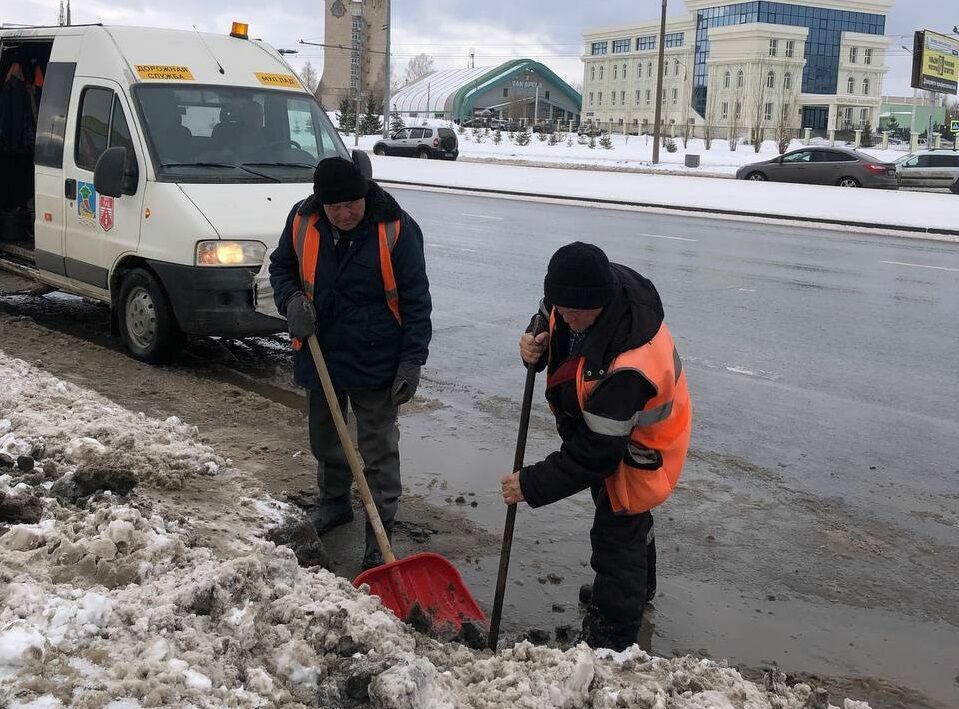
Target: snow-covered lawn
[[893, 208], [167, 594]]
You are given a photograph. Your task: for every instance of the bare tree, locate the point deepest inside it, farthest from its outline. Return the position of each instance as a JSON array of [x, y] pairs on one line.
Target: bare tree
[[759, 102], [736, 125], [309, 77], [712, 108], [783, 131], [419, 66]]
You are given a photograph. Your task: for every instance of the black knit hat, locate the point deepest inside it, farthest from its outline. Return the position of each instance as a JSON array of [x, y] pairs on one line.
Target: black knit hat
[[338, 180], [579, 277]]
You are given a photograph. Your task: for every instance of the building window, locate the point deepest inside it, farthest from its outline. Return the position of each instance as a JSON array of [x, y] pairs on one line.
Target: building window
[[645, 43], [739, 79], [615, 71], [675, 67], [725, 112], [666, 68], [637, 97], [727, 78], [649, 97], [590, 98], [598, 48], [621, 45], [787, 81], [675, 39], [612, 98], [790, 49], [601, 73], [769, 111], [771, 80], [851, 86], [506, 93], [624, 70], [853, 54], [863, 117], [622, 97], [675, 96], [867, 56], [592, 73], [773, 47], [546, 95], [865, 87], [599, 99], [739, 110], [649, 70], [639, 70]]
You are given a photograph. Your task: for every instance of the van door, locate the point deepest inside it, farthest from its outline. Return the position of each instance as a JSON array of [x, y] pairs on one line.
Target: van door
[[99, 229]]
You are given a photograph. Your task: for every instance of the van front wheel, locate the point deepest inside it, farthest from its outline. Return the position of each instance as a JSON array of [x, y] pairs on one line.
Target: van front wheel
[[146, 320]]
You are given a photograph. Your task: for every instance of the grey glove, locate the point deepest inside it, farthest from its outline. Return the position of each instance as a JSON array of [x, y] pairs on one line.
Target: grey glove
[[300, 317], [405, 383]]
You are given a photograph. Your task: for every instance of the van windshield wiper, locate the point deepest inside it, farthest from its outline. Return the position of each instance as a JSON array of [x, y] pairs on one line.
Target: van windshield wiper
[[219, 164], [279, 164]]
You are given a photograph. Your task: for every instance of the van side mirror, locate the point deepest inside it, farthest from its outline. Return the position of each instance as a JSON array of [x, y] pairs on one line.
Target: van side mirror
[[112, 177], [362, 161]]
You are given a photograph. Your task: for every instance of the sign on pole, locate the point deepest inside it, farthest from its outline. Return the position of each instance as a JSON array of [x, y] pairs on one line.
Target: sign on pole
[[954, 127], [935, 63]]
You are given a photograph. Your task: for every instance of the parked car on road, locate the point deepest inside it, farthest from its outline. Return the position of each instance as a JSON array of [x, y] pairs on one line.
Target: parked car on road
[[929, 169], [824, 166], [440, 143]]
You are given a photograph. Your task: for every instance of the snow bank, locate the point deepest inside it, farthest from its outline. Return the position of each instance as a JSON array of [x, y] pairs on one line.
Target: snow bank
[[119, 601]]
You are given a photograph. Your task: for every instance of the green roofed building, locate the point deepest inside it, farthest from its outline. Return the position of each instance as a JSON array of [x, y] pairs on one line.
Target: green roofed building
[[521, 89]]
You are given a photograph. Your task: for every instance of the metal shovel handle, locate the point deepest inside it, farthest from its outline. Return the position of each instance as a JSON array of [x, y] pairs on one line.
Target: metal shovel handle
[[354, 460]]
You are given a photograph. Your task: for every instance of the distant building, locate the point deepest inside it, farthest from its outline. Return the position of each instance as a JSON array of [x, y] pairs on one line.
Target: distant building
[[902, 107], [809, 64], [355, 55], [520, 89]]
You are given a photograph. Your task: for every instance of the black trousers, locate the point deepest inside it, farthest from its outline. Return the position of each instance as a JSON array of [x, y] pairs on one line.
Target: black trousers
[[624, 559]]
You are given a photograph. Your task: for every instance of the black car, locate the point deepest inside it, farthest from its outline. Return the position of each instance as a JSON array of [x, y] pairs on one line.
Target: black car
[[438, 143]]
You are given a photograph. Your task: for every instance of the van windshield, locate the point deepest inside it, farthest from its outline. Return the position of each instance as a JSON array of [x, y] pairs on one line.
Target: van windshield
[[234, 134]]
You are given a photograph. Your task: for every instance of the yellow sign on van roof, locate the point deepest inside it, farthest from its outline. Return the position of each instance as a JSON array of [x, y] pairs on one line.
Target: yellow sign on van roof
[[287, 81], [161, 72]]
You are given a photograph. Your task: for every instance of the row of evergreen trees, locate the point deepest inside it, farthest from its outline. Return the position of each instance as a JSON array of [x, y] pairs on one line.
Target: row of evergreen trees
[[371, 122]]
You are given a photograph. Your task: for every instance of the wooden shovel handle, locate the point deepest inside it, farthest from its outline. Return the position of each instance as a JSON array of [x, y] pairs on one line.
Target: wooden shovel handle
[[355, 465]]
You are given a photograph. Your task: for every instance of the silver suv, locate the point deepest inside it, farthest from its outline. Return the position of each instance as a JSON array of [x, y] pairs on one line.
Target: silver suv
[[440, 143], [929, 169]]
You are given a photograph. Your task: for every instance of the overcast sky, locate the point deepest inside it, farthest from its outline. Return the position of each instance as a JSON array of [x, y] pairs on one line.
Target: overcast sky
[[550, 32]]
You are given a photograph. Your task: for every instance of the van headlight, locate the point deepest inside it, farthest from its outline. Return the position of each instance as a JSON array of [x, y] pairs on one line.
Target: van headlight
[[230, 253]]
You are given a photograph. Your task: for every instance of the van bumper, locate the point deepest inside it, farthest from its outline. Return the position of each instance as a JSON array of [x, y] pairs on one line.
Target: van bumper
[[216, 302]]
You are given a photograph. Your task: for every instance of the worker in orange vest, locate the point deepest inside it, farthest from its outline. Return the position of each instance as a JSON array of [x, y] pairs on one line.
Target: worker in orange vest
[[616, 386], [350, 269]]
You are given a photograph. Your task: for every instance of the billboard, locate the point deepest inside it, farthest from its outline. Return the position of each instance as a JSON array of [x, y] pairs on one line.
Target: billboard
[[935, 63]]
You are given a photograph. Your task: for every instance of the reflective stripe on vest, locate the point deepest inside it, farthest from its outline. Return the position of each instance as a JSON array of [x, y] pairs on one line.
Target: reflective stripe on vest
[[306, 243], [658, 434]]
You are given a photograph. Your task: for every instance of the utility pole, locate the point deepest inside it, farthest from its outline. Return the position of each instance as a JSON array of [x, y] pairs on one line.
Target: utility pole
[[659, 86], [536, 107], [387, 77], [358, 58]]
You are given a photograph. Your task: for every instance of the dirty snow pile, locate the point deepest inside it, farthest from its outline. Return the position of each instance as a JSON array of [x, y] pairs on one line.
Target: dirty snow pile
[[110, 598]]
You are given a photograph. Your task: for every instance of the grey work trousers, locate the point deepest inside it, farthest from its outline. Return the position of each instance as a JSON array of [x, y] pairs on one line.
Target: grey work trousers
[[378, 437]]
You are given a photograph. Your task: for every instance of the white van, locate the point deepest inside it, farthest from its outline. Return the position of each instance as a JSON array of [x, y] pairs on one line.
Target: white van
[[165, 164]]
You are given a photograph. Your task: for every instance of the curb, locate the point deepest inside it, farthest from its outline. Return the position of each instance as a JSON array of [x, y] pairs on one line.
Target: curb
[[932, 231]]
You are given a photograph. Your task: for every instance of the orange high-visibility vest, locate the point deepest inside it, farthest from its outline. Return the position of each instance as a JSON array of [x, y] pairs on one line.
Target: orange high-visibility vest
[[306, 244], [658, 434]]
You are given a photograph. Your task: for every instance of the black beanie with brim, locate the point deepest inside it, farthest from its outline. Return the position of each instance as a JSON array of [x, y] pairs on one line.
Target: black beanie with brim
[[579, 277], [337, 180]]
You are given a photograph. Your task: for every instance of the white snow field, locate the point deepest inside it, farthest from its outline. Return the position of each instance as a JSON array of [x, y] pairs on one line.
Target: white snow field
[[169, 596]]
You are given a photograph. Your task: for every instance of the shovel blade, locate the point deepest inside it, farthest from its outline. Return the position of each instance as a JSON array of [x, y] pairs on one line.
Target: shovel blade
[[424, 584]]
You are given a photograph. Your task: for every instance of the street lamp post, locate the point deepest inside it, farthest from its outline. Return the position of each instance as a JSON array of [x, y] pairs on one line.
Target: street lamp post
[[659, 86], [386, 78]]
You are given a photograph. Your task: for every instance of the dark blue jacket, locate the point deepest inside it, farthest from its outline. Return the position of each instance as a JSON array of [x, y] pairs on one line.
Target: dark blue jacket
[[361, 340]]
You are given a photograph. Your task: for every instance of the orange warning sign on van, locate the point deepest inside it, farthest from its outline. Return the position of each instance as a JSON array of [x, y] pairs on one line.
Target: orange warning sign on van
[[161, 72], [286, 81]]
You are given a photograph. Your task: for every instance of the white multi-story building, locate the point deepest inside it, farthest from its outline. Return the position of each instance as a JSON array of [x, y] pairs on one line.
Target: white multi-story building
[[736, 67]]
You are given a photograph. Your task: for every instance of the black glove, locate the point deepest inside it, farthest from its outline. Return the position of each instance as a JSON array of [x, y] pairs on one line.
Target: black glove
[[405, 383], [300, 317]]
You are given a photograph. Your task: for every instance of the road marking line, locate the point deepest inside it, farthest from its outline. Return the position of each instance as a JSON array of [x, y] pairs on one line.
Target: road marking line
[[920, 265], [483, 216], [673, 238]]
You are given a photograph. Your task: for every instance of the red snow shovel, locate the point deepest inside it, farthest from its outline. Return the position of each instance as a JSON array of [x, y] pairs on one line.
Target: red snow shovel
[[424, 588]]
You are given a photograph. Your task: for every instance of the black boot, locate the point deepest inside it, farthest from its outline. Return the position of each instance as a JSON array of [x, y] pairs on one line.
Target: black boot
[[601, 630], [372, 557], [331, 513]]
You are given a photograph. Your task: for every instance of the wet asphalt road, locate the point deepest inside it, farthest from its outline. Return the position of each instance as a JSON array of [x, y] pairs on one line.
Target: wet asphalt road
[[824, 374]]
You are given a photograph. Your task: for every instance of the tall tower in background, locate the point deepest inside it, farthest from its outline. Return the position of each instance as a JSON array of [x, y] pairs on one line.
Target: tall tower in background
[[355, 55]]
